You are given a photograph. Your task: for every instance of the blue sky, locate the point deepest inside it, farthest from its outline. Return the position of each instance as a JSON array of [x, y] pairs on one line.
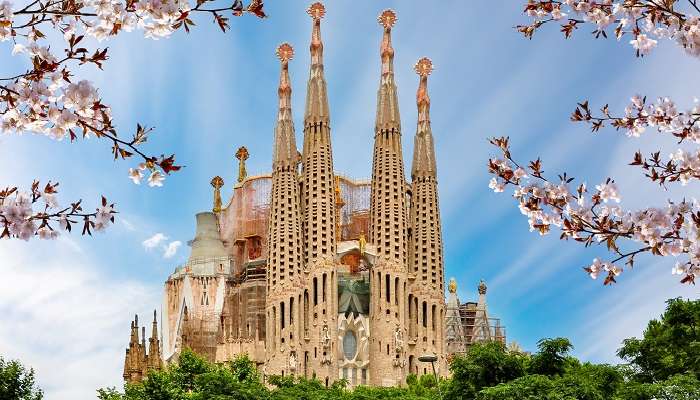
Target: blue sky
[[66, 304]]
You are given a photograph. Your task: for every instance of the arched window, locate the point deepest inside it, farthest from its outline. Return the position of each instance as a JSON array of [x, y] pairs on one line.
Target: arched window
[[425, 314]]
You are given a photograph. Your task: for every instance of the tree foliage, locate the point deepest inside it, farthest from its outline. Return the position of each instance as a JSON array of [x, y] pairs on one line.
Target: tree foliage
[[17, 383], [670, 345]]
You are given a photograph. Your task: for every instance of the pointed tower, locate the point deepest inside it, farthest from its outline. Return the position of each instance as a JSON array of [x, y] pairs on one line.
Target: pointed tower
[[154, 355], [388, 198], [426, 246], [135, 359], [285, 258], [454, 329], [387, 228], [318, 197]]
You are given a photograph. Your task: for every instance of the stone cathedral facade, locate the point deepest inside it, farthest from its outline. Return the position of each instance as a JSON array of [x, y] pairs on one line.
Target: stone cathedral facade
[[312, 273]]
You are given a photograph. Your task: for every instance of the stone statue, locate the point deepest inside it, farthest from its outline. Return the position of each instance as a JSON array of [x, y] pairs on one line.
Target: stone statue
[[398, 339], [325, 336], [292, 360]]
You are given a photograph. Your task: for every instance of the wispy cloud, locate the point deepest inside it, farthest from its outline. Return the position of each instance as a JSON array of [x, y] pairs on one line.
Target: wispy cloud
[[171, 249], [62, 318], [160, 240], [127, 224], [154, 241]]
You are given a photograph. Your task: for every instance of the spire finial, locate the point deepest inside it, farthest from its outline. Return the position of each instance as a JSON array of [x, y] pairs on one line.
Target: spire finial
[[387, 19], [217, 182], [317, 11], [285, 52], [242, 155], [453, 285], [482, 287], [423, 68]]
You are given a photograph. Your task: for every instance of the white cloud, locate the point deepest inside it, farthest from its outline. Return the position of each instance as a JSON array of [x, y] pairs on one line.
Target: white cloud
[[127, 224], [154, 241], [171, 249], [62, 317]]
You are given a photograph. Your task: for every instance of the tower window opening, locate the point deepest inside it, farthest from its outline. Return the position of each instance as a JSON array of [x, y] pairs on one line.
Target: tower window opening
[[387, 287], [291, 310], [282, 314], [315, 291]]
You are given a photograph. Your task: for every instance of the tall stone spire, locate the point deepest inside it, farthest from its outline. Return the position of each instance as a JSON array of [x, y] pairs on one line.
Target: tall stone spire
[[154, 355], [318, 196], [388, 198], [285, 258], [387, 224], [425, 211], [426, 239]]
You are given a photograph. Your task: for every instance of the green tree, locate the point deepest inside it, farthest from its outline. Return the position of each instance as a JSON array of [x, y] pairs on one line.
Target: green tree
[[552, 358], [18, 383], [529, 387], [669, 346], [484, 365]]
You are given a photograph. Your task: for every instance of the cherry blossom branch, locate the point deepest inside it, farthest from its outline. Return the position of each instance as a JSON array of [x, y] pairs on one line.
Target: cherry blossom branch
[[46, 100], [646, 21], [588, 219], [18, 219], [683, 165]]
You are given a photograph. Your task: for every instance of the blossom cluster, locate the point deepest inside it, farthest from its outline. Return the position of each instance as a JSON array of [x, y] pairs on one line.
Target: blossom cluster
[[663, 115], [647, 21], [597, 218], [20, 219]]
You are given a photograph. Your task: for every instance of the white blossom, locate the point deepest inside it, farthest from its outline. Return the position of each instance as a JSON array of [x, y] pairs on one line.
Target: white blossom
[[156, 179], [608, 191], [643, 43], [135, 175]]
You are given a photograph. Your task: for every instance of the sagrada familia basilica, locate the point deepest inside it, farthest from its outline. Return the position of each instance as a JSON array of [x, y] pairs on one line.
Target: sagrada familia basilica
[[311, 273]]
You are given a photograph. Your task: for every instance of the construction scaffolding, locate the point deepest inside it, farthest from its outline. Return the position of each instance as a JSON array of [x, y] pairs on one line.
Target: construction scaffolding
[[243, 223], [479, 327], [354, 212], [200, 332], [469, 323]]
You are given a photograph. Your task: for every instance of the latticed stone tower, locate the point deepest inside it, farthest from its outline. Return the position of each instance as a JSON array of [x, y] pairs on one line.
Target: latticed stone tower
[[319, 210], [388, 223], [426, 246], [284, 261], [318, 196]]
